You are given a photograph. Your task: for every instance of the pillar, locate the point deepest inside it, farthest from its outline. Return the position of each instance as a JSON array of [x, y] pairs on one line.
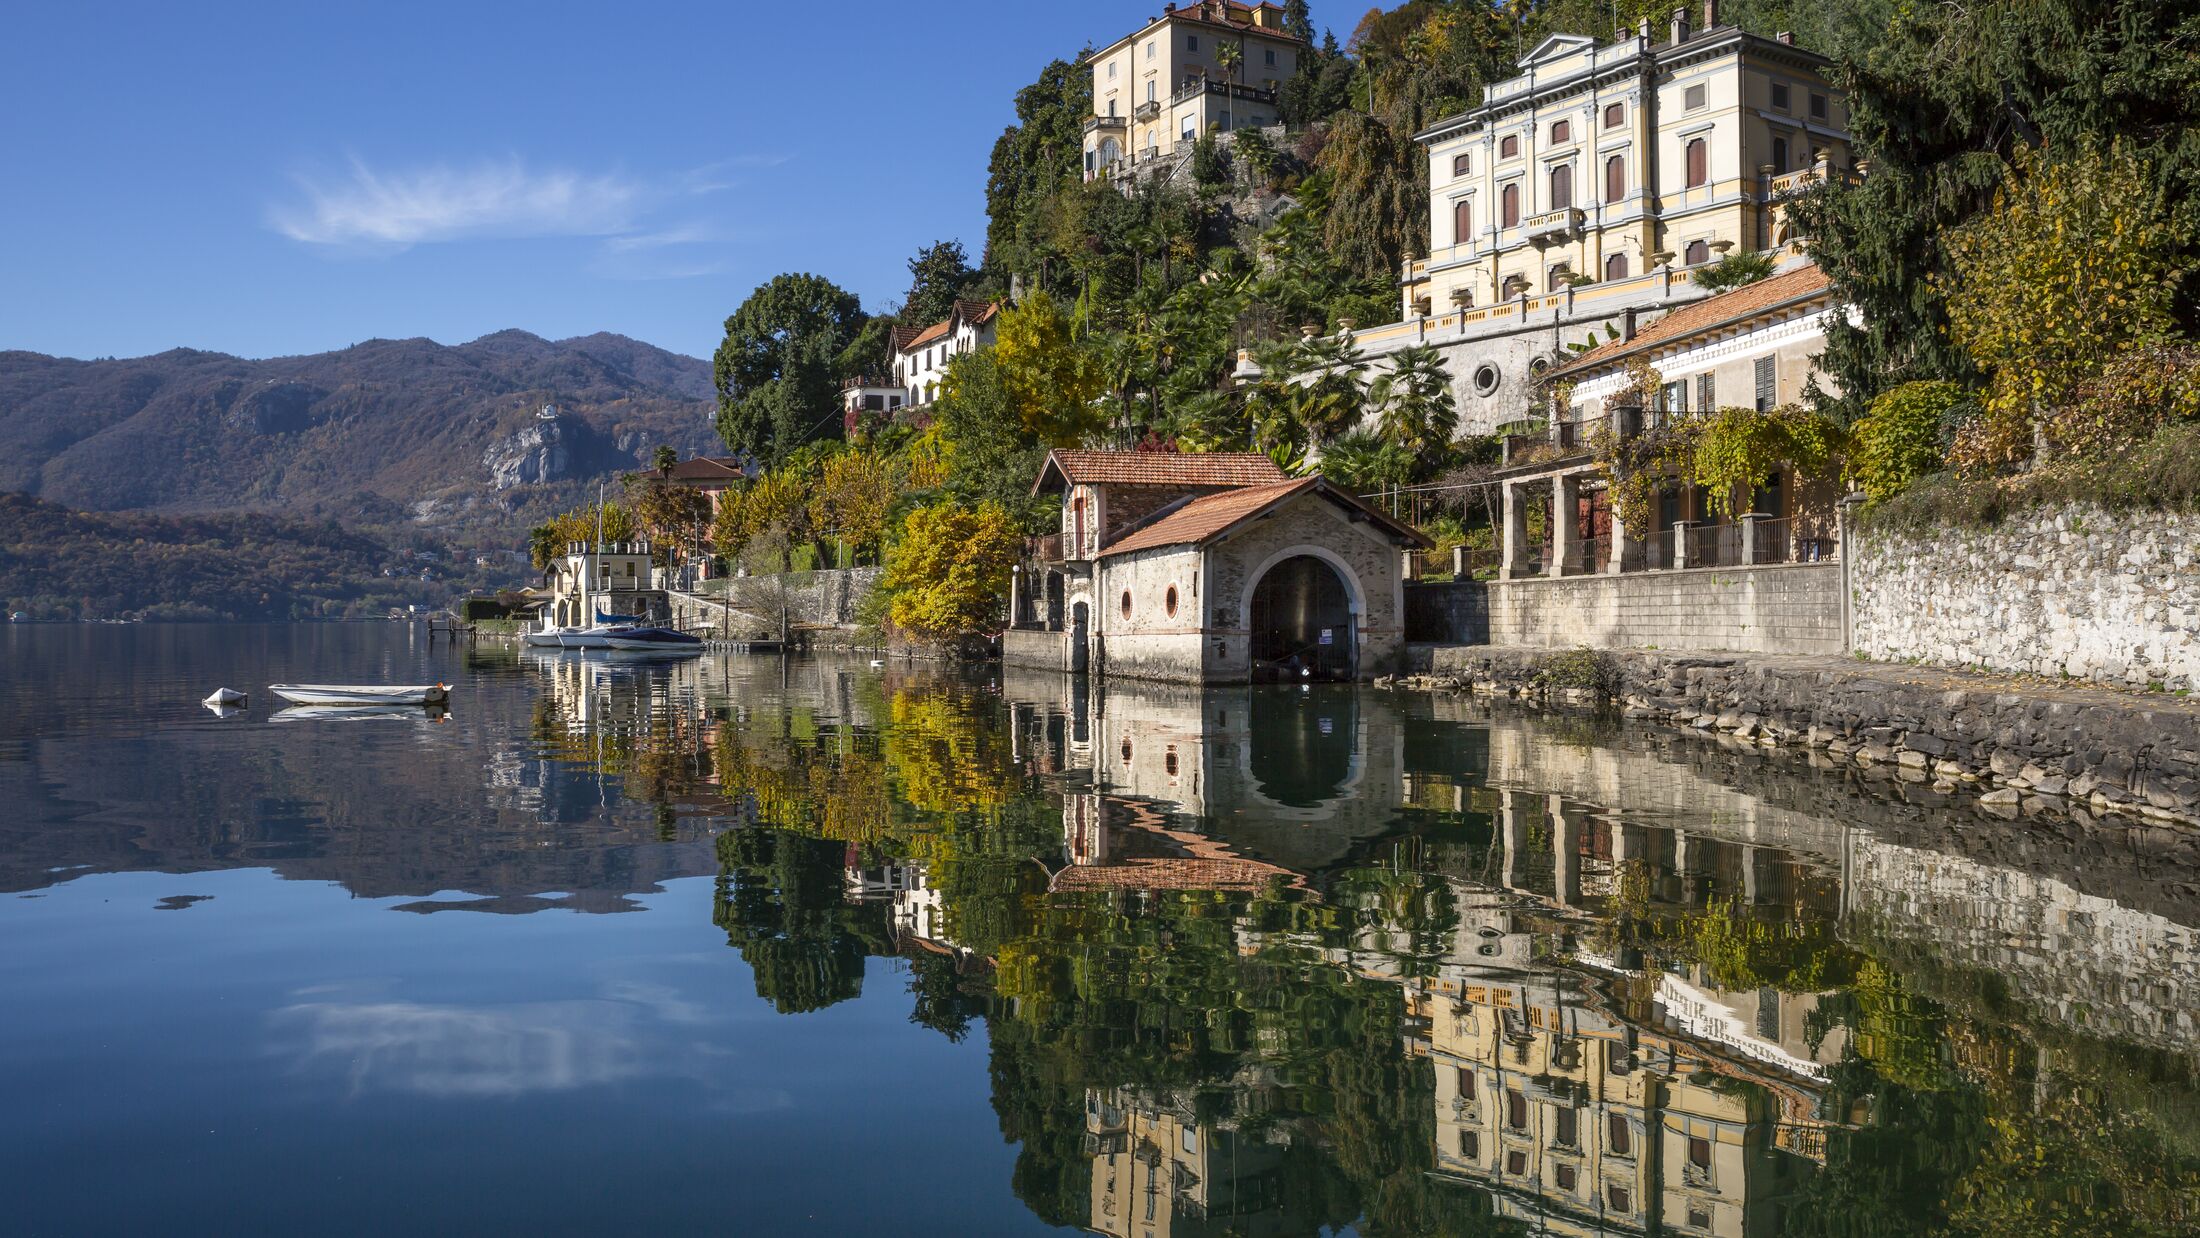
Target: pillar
[[1749, 537], [1512, 540], [1565, 853], [1565, 525], [1625, 545]]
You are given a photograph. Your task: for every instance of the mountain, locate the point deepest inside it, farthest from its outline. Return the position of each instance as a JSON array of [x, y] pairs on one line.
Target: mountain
[[422, 444], [62, 564]]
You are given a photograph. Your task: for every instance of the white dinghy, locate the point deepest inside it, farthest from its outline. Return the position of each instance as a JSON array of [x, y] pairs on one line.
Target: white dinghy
[[360, 694]]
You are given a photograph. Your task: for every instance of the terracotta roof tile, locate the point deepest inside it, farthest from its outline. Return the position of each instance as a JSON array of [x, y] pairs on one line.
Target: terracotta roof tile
[[926, 336], [1193, 470], [708, 468], [1211, 515], [1803, 281]]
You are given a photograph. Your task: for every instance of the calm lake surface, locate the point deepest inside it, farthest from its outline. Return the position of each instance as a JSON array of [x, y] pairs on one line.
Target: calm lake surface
[[758, 945]]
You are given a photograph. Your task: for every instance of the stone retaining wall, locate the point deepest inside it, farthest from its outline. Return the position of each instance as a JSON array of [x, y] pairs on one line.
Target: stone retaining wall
[[2081, 592], [1774, 608], [2085, 752]]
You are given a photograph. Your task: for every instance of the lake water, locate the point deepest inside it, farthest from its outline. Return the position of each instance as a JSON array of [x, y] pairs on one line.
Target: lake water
[[760, 945]]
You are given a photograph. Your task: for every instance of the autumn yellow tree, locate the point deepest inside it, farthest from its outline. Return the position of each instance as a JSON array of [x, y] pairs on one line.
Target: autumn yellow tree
[[947, 574], [2071, 267], [548, 541], [850, 500], [1050, 377]]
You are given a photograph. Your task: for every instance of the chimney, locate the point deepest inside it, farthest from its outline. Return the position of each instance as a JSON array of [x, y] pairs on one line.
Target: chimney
[[1642, 29], [1680, 25], [1710, 14], [1785, 36]]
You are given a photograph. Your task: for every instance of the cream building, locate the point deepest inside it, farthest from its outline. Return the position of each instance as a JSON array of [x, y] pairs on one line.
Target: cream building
[[1156, 91], [1602, 162], [922, 354]]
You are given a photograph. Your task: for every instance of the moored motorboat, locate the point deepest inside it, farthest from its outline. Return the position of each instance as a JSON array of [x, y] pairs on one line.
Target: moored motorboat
[[360, 694], [653, 639]]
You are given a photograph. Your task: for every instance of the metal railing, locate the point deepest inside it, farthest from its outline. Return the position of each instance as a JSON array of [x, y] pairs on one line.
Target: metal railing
[[1591, 554], [1713, 545], [1573, 435]]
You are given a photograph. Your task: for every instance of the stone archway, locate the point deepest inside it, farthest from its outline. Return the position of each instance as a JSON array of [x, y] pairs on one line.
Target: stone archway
[[1302, 618]]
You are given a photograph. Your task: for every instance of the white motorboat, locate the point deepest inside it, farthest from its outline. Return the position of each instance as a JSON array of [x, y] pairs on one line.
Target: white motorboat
[[360, 694], [651, 639]]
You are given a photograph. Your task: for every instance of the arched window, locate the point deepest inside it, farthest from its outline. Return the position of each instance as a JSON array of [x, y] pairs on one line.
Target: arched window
[[1462, 164], [1615, 266], [1510, 200], [1168, 601], [1562, 187], [1462, 222], [1699, 163], [1508, 147], [1562, 131], [1697, 253], [1126, 603], [1614, 115], [1615, 178]]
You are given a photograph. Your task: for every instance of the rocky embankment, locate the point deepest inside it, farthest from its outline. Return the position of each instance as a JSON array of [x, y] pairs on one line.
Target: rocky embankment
[[2019, 745]]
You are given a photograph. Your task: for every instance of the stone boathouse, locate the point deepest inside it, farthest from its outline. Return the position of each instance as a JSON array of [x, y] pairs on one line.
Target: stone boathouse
[[1207, 568]]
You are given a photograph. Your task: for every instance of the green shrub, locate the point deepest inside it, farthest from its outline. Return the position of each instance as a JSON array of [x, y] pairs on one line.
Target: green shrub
[[1590, 669], [1901, 439], [1210, 163]]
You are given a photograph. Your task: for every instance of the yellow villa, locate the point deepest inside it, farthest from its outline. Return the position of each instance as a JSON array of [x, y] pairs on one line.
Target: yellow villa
[[1605, 161], [1156, 91]]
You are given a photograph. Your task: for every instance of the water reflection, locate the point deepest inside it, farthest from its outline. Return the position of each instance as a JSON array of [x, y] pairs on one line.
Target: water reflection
[[1269, 960], [1256, 961]]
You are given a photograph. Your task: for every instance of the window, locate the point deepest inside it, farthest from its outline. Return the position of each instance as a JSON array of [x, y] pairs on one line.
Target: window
[[1111, 70], [1191, 1142], [1615, 266], [1191, 42], [1779, 154], [1566, 1133], [1620, 1137], [1462, 222], [1699, 1218], [1768, 385], [1555, 278], [1615, 115], [1149, 50], [1462, 164], [1470, 1145], [1516, 1110], [1707, 391], [1565, 1177], [1509, 200], [1780, 98], [1769, 498], [1149, 91], [1168, 601], [1562, 187], [1126, 603], [1189, 128], [1817, 106], [1615, 178], [1699, 1152], [1271, 56], [1619, 1197], [1692, 98], [1697, 253], [1126, 743], [1516, 1163], [1699, 163], [1508, 147], [1466, 1083], [1673, 398], [1562, 131]]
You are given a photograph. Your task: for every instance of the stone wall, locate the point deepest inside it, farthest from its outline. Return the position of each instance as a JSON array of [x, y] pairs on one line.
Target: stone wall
[[1455, 612], [1775, 608], [2113, 597], [2086, 752], [748, 607]]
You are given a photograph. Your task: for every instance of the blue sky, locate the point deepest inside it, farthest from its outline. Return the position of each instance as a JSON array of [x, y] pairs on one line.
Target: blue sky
[[269, 179]]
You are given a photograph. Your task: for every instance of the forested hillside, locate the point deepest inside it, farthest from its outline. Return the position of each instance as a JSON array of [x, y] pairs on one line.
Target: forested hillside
[[408, 439], [62, 564]]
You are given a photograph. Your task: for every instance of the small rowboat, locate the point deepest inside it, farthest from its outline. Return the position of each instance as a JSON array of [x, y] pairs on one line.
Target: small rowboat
[[360, 694]]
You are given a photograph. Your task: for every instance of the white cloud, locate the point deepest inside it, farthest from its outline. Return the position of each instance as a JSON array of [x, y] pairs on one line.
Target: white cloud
[[501, 199]]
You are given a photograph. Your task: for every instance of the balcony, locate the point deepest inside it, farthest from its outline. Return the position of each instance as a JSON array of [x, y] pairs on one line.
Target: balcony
[[1228, 90], [1095, 124], [1558, 223], [1147, 110]]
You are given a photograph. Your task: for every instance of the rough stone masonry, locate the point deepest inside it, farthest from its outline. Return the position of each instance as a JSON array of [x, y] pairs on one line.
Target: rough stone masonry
[[2087, 752]]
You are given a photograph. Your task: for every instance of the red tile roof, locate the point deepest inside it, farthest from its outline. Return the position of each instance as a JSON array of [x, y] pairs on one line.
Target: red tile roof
[[1209, 516], [708, 468], [976, 313], [1802, 283], [1191, 470], [1227, 14]]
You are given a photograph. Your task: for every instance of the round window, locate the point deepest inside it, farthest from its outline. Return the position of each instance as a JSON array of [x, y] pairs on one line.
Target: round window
[[1539, 365], [1126, 603], [1485, 380], [1168, 601]]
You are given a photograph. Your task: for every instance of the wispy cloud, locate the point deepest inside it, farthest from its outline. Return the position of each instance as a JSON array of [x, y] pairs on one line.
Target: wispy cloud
[[397, 210]]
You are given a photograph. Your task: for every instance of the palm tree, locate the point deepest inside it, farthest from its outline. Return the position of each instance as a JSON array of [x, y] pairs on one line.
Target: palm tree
[[1330, 398], [1414, 406], [1230, 56]]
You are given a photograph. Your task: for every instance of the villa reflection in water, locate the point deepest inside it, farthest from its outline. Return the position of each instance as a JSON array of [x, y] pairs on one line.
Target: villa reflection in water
[[1258, 961]]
